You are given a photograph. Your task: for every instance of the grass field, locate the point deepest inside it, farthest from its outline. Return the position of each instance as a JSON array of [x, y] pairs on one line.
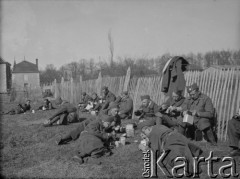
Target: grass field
[[28, 150]]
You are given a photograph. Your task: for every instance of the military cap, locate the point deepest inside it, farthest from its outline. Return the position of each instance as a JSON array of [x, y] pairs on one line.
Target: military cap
[[178, 92], [192, 87], [148, 123], [104, 88], [145, 97], [107, 118]]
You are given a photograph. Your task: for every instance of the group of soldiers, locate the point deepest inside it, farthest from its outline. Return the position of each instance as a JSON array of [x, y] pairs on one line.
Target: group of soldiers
[[162, 125]]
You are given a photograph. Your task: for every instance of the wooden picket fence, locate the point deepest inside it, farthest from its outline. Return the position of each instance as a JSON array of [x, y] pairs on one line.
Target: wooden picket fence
[[223, 87]]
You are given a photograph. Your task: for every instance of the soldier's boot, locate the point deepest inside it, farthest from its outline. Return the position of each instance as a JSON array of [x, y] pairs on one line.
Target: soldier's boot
[[210, 136], [63, 140]]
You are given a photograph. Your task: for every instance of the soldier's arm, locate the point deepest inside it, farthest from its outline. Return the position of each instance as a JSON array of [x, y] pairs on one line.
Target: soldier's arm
[[209, 109], [184, 105], [96, 131], [156, 108], [127, 108], [111, 98], [118, 99]]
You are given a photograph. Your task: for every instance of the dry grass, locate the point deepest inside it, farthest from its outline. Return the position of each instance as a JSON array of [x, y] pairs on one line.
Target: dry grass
[[28, 150]]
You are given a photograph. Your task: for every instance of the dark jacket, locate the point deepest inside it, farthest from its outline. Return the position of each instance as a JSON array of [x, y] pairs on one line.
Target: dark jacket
[[92, 138], [25, 107], [203, 105], [109, 97], [150, 110], [64, 110], [172, 102], [164, 139], [85, 99], [126, 106], [173, 77], [47, 106]]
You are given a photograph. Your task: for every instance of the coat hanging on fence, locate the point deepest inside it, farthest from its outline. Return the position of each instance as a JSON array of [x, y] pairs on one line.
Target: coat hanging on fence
[[173, 77]]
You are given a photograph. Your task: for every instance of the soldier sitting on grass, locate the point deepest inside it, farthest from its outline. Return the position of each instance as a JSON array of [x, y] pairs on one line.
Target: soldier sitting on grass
[[200, 106], [84, 101], [108, 97], [125, 104], [47, 105], [170, 111], [20, 108], [147, 110], [234, 134]]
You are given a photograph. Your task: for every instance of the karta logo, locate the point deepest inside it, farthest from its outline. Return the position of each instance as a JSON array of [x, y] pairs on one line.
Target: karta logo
[[187, 168]]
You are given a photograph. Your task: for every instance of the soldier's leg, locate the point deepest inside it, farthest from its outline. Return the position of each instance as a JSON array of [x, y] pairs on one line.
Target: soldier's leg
[[58, 113], [73, 135], [234, 133], [168, 121], [208, 133], [204, 125]]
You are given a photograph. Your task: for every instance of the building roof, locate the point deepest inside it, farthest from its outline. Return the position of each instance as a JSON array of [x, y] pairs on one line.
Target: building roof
[[25, 67], [4, 62]]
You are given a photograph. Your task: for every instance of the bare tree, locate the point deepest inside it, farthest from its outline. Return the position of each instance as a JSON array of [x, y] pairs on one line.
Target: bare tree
[[111, 47]]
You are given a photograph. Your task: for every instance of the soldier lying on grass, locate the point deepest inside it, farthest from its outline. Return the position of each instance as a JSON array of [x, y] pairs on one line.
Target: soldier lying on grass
[[20, 108], [93, 141], [74, 135], [164, 140], [64, 116]]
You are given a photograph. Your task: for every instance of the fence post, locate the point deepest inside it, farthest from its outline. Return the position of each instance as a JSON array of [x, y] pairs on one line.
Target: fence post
[[127, 79], [80, 84], [63, 91], [99, 83], [55, 89], [71, 95]]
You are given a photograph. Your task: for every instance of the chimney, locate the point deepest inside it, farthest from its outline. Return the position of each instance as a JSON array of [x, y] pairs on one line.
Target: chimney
[[37, 62]]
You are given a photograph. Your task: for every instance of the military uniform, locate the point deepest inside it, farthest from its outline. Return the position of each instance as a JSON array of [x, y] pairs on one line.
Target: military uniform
[[19, 109], [173, 118], [62, 116], [47, 106], [125, 108], [84, 102], [203, 108], [162, 139], [109, 97], [148, 112], [234, 132]]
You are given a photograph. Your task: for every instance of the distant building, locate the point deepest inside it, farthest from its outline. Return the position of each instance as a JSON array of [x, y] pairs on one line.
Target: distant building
[[25, 74], [5, 76]]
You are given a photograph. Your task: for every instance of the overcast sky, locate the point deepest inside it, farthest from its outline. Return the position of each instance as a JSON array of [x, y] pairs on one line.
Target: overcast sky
[[58, 32]]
